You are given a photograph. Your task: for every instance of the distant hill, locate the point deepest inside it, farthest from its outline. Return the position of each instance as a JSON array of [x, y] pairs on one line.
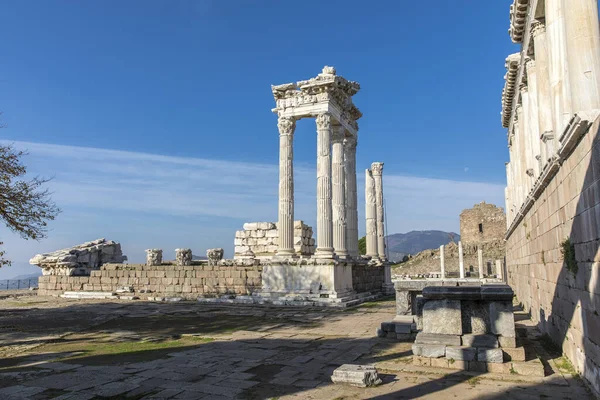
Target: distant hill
[[28, 276], [401, 244]]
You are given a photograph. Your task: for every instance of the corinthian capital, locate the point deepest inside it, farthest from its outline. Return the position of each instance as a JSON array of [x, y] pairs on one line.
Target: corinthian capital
[[377, 168], [286, 126], [323, 121], [338, 134], [350, 142], [537, 28]]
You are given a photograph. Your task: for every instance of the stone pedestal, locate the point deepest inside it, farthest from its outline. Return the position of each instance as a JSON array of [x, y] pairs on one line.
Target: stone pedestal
[[183, 256], [154, 256]]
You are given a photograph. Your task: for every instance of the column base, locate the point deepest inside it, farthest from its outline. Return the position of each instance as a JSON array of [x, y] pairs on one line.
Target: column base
[[343, 256], [324, 253]]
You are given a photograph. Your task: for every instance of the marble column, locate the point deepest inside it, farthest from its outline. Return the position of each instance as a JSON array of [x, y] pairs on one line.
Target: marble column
[[480, 261], [532, 117], [371, 215], [377, 168], [442, 266], [324, 211], [557, 67], [286, 186], [338, 184], [583, 53], [351, 202], [544, 98], [499, 269], [526, 137], [461, 263], [520, 136]]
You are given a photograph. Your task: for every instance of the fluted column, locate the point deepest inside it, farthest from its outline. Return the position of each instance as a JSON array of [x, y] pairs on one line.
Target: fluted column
[[442, 265], [532, 117], [351, 202], [557, 67], [583, 53], [544, 98], [286, 186], [324, 209], [338, 185], [520, 136], [526, 134], [377, 169], [461, 263], [370, 214]]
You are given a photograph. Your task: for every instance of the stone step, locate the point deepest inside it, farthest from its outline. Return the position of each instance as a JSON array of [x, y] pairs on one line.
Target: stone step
[[89, 295]]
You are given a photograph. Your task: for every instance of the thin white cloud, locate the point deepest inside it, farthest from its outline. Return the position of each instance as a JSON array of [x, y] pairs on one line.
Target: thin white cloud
[[107, 188]]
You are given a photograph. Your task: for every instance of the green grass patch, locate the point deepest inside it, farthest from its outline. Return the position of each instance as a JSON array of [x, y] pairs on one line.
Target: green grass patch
[[96, 352], [565, 366], [568, 252]]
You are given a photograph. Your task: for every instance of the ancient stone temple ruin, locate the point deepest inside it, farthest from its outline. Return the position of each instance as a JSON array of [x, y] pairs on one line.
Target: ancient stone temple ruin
[[550, 107], [277, 262]]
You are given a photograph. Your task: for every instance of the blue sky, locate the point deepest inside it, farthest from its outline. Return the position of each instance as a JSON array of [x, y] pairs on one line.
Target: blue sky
[[154, 117]]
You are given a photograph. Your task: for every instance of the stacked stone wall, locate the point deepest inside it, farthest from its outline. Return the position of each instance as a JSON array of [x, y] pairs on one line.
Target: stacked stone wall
[[367, 278], [564, 300], [262, 239], [190, 282], [492, 220]]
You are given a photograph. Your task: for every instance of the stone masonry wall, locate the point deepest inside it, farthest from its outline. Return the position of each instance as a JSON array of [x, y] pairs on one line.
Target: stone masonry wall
[[189, 282], [261, 238], [492, 220], [564, 301], [367, 278]]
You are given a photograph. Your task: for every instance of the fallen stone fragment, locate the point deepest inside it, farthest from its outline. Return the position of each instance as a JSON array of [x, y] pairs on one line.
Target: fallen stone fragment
[[356, 375]]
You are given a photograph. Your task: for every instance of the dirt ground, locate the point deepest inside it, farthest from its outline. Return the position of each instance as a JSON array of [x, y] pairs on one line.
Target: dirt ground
[[72, 349]]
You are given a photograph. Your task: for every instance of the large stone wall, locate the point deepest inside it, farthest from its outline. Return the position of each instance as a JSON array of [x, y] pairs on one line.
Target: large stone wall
[[188, 282], [368, 278], [483, 223], [565, 301]]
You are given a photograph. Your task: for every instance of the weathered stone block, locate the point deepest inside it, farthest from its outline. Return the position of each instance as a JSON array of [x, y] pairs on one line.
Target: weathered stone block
[[429, 350], [400, 327], [440, 363], [475, 317], [432, 338], [490, 355], [502, 318], [442, 316], [488, 341], [422, 361], [461, 353], [507, 342], [529, 368], [477, 366], [356, 375], [514, 354]]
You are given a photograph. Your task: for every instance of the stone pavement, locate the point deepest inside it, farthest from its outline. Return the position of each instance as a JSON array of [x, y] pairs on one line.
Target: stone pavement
[[65, 349]]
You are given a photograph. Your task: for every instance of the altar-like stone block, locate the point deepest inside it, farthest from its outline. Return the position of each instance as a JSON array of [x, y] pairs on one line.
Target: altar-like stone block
[[447, 311]]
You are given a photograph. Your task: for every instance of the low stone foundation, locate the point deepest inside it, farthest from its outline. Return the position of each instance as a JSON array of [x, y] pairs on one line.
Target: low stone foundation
[[188, 282], [368, 278]]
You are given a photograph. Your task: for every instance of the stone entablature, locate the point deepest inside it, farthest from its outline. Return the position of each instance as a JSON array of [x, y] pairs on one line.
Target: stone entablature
[[262, 239], [518, 19], [508, 93], [327, 92], [80, 259]]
